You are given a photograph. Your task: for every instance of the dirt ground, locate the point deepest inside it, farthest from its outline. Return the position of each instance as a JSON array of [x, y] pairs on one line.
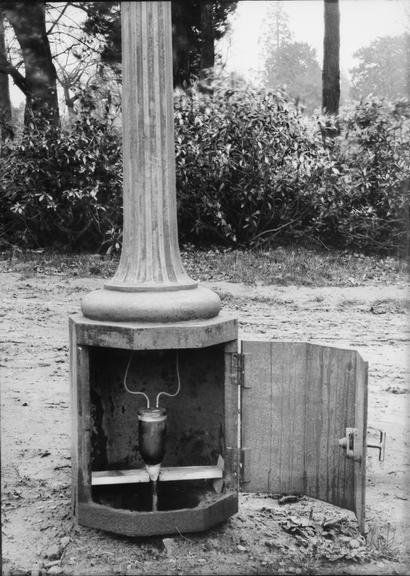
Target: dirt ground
[[306, 537]]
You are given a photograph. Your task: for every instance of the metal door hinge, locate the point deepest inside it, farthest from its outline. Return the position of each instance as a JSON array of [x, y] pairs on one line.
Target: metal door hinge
[[245, 462], [238, 370]]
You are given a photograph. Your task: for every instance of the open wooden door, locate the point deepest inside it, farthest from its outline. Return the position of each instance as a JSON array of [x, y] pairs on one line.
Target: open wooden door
[[304, 419]]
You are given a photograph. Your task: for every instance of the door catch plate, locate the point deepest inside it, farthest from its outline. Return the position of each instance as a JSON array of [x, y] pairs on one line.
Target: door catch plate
[[348, 444]]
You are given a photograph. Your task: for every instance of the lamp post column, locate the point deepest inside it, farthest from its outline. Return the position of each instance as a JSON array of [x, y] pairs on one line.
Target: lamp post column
[[150, 283]]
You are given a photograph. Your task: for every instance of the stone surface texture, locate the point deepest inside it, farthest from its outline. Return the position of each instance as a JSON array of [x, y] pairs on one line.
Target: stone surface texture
[[151, 306], [156, 335]]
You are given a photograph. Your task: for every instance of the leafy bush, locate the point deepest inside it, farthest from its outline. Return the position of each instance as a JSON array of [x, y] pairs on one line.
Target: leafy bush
[[364, 199], [250, 171], [63, 187], [245, 165]]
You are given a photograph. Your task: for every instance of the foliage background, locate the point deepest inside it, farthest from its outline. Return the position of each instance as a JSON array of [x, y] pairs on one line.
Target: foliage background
[[251, 171]]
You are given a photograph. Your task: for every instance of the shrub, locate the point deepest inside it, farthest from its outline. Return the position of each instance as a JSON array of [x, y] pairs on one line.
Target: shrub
[[250, 170], [63, 187], [245, 164], [364, 201]]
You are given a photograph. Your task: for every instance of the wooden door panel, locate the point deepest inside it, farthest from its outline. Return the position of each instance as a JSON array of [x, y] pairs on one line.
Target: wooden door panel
[[297, 401]]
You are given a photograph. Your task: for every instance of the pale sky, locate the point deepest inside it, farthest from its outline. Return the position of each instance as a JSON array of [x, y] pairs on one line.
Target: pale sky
[[361, 21]]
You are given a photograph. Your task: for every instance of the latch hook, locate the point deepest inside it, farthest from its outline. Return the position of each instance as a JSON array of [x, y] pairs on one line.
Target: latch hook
[[381, 445], [348, 444]]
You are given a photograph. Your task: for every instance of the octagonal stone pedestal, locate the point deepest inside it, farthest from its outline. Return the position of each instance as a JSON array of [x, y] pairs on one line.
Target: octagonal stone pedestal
[[202, 423]]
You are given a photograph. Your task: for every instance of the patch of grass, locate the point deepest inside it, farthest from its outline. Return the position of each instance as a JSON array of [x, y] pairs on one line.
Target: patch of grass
[[30, 263], [298, 266], [383, 541], [281, 266]]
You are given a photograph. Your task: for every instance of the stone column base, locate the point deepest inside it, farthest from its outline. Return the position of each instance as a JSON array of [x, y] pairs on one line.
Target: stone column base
[[151, 306]]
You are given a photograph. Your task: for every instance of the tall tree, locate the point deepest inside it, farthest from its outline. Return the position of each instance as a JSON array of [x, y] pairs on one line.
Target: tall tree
[[196, 27], [104, 21], [5, 103], [331, 64], [39, 82], [289, 65], [295, 69], [407, 60], [276, 31], [193, 45], [281, 32], [383, 68], [207, 36]]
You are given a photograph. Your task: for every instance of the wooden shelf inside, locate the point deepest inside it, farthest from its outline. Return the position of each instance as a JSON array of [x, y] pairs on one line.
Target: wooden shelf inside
[[103, 478]]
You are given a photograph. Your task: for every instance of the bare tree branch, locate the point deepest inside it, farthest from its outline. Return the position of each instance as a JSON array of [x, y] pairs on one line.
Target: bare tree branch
[[82, 42], [18, 78], [56, 21]]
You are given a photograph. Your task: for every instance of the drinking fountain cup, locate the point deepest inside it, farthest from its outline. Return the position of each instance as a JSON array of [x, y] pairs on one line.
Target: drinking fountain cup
[[152, 428]]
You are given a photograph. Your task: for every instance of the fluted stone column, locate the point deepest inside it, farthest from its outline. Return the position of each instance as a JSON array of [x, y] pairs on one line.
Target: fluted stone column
[[151, 283]]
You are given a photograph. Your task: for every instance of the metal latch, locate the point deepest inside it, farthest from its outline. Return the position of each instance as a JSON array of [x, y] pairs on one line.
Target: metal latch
[[348, 444], [381, 444]]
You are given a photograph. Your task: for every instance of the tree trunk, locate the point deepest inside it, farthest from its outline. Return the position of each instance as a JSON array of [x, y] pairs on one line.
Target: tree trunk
[[28, 22], [207, 33], [69, 102], [408, 64], [207, 58], [6, 130], [331, 66], [180, 46]]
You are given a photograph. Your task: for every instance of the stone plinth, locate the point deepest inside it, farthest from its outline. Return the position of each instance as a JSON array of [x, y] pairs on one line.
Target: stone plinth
[[202, 422], [155, 335]]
